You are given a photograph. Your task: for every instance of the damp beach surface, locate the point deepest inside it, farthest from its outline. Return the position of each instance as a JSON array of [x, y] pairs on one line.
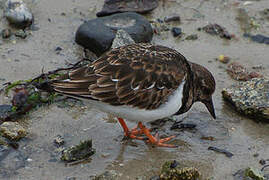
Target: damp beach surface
[[38, 158]]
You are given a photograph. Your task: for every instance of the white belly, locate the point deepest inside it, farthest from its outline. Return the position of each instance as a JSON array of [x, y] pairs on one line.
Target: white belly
[[134, 114]]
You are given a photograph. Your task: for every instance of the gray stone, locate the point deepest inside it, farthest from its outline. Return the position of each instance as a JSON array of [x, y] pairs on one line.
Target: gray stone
[[18, 14], [250, 98], [122, 39], [12, 130], [6, 33], [98, 34]]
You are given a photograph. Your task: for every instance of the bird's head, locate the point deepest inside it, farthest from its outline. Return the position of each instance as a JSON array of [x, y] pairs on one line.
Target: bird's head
[[204, 87]]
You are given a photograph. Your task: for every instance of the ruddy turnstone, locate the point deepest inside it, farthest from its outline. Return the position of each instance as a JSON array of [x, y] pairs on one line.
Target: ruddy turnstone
[[140, 82]]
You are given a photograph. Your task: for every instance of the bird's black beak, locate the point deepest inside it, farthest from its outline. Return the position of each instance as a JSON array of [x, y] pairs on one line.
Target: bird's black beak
[[210, 107]]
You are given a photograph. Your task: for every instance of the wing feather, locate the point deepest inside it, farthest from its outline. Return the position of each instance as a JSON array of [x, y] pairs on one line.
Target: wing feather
[[138, 75]]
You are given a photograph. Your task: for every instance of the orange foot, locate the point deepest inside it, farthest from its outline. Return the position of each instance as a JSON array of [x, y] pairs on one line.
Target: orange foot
[[143, 130], [155, 139], [131, 134]]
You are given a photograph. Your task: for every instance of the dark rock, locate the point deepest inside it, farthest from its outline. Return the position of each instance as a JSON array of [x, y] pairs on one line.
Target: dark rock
[[175, 18], [256, 155], [159, 20], [259, 38], [18, 14], [180, 125], [119, 6], [174, 164], [20, 98], [250, 98], [176, 31], [58, 48], [227, 153], [6, 33], [5, 111], [97, 34], [215, 29]]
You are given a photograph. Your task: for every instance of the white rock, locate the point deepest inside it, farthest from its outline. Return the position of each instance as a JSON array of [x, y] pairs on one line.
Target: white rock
[[122, 39]]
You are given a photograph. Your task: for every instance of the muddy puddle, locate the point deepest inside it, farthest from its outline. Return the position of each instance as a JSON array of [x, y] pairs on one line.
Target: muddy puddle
[[37, 156]]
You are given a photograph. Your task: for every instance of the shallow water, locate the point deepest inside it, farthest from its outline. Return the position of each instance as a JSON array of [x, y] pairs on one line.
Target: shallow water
[[37, 157]]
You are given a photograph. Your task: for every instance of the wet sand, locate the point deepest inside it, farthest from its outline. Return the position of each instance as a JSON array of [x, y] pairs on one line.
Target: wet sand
[[36, 158]]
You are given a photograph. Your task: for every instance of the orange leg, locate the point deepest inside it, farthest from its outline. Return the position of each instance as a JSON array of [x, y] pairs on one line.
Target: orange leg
[[131, 134], [156, 140]]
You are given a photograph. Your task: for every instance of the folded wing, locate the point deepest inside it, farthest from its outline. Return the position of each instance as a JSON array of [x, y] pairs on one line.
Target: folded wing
[[138, 75]]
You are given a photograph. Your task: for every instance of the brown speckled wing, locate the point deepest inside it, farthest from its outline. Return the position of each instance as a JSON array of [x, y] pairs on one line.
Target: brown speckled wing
[[139, 75]]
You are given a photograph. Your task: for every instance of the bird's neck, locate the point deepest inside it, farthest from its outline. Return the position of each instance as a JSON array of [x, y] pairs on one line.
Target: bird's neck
[[188, 93]]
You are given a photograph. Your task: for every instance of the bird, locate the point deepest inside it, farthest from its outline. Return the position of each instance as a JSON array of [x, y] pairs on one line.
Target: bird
[[140, 82]]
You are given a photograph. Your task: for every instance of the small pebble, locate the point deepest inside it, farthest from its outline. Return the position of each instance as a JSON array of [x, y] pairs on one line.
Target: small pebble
[[255, 155], [159, 20], [6, 33], [58, 48], [223, 59], [172, 18], [176, 31], [262, 162], [174, 164]]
